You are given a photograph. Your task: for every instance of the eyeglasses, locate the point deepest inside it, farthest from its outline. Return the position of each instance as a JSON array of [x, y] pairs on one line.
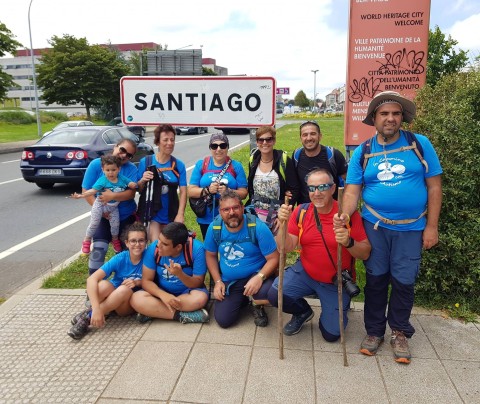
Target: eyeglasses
[[139, 241], [320, 187], [215, 146], [124, 151], [235, 208], [310, 123], [265, 140]]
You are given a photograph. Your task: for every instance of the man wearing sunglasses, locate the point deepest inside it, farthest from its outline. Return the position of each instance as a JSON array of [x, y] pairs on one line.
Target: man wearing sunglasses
[[240, 262], [315, 270], [313, 155], [125, 150]]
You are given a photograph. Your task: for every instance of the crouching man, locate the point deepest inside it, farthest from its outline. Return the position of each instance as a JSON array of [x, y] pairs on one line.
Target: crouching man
[[173, 279], [311, 227]]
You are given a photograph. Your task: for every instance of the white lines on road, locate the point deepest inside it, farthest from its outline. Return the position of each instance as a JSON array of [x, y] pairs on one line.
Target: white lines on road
[[47, 233], [9, 181], [10, 161]]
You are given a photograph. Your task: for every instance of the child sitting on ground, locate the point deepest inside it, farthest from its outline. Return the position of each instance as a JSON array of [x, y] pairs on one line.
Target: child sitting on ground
[[114, 182]]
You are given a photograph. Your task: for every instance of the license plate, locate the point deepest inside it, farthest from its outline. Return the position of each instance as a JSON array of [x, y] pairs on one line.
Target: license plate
[[49, 171]]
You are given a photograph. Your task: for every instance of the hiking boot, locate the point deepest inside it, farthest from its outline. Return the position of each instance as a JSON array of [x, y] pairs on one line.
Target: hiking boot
[[399, 343], [81, 327], [86, 247], [117, 246], [296, 323], [77, 316], [197, 316], [370, 345], [261, 319], [142, 318]]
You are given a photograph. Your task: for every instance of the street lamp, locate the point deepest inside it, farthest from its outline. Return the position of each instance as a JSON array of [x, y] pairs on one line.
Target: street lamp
[[314, 87], [37, 112]]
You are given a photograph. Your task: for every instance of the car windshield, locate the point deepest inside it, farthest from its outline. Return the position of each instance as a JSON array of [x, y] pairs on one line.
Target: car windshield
[[71, 137]]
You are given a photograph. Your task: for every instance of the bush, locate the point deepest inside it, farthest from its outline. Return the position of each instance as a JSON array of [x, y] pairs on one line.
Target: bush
[[17, 117], [449, 115]]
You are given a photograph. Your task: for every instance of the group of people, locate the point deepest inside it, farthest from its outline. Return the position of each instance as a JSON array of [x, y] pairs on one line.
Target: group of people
[[161, 274]]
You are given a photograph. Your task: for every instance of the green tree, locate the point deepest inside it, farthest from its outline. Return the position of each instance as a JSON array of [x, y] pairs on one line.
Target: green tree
[[449, 114], [208, 72], [7, 45], [442, 56], [301, 100], [75, 72]]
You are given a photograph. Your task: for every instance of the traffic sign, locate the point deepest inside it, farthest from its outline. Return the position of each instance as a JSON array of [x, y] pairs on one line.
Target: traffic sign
[[283, 90]]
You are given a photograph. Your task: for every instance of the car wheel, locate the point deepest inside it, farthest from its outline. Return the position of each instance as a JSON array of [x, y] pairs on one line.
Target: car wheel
[[198, 131], [45, 185]]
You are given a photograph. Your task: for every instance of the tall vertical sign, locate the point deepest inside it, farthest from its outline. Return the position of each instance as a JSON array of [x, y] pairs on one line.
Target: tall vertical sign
[[388, 48]]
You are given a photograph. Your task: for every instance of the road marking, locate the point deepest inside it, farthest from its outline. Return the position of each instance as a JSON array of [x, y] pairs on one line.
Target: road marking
[[47, 233], [11, 161], [9, 181]]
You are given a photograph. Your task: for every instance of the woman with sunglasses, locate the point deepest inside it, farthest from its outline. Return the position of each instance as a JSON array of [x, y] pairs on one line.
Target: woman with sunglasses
[[168, 175], [268, 177], [214, 175]]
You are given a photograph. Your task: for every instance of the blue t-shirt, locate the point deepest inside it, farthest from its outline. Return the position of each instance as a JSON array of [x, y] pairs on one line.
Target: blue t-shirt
[[104, 183], [122, 268], [394, 184], [168, 282], [94, 172], [202, 181], [162, 214], [239, 257]]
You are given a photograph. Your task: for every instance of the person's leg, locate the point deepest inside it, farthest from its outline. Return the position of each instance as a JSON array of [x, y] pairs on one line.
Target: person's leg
[[227, 311], [115, 300], [144, 303], [377, 280], [95, 217], [114, 221], [195, 299], [101, 240], [406, 256], [203, 229], [154, 229], [328, 322]]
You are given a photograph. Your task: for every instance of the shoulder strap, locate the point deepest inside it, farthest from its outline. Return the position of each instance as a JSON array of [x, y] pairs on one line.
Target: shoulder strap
[[296, 155], [300, 215], [416, 147], [252, 227], [206, 162], [331, 160], [217, 229], [283, 165], [187, 252], [365, 155]]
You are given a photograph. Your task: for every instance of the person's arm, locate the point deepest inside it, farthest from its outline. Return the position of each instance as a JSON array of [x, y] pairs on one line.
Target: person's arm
[[291, 240], [85, 194], [149, 285], [98, 317], [241, 192], [255, 282], [180, 217], [214, 269], [357, 249], [194, 281], [434, 205], [351, 196], [108, 195]]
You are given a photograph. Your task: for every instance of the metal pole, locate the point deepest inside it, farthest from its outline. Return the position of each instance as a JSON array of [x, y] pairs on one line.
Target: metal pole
[[37, 111], [314, 87]]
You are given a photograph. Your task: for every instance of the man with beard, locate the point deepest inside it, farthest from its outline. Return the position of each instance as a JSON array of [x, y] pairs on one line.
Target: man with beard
[[314, 155], [399, 179], [241, 255], [315, 270]]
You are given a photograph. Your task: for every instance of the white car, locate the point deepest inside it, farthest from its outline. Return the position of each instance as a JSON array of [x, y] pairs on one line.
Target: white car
[[68, 124]]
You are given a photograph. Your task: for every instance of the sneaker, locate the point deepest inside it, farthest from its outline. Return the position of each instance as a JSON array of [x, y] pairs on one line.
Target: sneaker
[[296, 323], [370, 345], [197, 316], [77, 316], [81, 327], [261, 319], [399, 343], [142, 318], [86, 246], [117, 246]]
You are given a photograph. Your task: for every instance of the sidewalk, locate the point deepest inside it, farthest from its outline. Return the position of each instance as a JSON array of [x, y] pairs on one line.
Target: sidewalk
[[167, 362], [13, 147]]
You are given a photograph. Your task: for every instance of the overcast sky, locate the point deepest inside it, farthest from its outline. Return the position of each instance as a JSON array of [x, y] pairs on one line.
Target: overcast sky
[[284, 39]]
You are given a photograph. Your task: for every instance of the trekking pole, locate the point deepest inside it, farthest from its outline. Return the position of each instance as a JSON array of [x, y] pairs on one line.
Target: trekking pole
[[340, 285], [281, 269]]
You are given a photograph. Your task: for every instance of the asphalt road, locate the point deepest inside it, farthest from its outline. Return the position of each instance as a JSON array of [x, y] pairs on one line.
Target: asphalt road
[[42, 228]]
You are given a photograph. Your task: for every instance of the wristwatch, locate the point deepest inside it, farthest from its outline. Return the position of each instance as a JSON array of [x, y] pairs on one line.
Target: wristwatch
[[351, 242], [261, 276]]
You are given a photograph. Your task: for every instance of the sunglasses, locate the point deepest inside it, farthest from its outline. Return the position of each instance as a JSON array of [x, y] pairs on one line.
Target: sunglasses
[[215, 146], [310, 123], [320, 188], [265, 140], [124, 151]]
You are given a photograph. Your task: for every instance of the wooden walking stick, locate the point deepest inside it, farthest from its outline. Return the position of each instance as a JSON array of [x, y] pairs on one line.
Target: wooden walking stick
[[340, 285], [281, 268]]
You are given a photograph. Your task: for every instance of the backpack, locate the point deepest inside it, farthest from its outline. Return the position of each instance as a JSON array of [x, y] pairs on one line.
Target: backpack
[[413, 144], [206, 163], [149, 161], [283, 161], [187, 250], [251, 227], [330, 156]]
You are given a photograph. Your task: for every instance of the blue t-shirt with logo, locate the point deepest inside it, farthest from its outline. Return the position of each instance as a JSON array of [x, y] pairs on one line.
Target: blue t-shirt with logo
[[122, 268], [238, 257], [104, 183], [205, 179], [168, 282], [394, 184]]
